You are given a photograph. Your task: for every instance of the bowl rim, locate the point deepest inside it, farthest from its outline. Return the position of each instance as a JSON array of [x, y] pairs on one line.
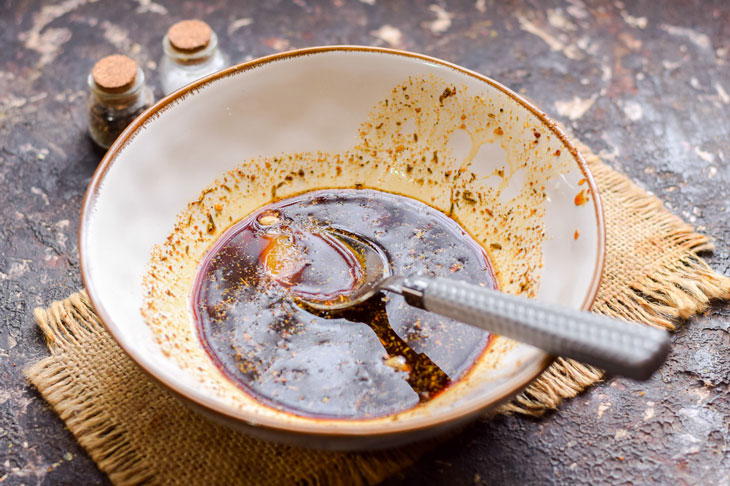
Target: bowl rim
[[341, 429]]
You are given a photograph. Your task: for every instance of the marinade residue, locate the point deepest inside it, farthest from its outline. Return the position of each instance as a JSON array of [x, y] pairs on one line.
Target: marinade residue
[[378, 358]]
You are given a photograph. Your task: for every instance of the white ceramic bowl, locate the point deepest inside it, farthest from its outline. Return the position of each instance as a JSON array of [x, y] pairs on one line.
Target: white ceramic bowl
[[317, 99]]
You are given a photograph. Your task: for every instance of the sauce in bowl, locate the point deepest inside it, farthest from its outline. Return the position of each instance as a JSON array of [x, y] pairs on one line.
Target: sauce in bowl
[[379, 358]]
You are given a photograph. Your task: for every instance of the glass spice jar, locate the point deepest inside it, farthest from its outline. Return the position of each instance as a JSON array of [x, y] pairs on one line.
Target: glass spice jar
[[190, 52], [117, 95]]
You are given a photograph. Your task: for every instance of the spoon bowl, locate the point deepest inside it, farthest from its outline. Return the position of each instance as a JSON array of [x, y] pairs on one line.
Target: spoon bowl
[[377, 273]]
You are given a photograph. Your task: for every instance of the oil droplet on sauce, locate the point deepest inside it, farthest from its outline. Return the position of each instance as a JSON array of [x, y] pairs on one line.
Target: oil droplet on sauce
[[379, 358]]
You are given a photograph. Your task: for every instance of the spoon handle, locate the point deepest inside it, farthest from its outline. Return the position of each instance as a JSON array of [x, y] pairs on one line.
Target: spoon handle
[[618, 347]]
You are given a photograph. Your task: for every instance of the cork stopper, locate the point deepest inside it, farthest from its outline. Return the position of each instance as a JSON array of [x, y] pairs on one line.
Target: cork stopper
[[189, 35], [114, 74]]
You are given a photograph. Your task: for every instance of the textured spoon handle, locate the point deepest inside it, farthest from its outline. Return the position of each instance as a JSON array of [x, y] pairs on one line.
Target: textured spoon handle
[[619, 347]]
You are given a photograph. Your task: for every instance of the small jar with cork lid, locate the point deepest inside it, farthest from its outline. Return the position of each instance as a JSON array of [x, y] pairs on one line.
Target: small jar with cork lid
[[117, 95], [190, 52]]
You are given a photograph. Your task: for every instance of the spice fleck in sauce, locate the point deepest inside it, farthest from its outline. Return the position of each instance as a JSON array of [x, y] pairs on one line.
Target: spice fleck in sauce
[[379, 358]]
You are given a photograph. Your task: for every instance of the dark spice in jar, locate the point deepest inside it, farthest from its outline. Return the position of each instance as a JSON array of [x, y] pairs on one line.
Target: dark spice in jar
[[117, 95]]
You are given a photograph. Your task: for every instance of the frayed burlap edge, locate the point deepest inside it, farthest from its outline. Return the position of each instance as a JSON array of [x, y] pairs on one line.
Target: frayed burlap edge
[[68, 323], [674, 287], [71, 323]]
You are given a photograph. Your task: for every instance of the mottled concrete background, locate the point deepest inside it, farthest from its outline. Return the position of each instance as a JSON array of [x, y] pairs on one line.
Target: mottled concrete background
[[644, 83]]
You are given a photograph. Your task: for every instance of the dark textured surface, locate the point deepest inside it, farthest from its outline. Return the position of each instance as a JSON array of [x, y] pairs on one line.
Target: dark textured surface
[[644, 83]]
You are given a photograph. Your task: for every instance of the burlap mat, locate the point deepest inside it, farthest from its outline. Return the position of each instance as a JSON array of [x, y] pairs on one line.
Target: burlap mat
[[138, 434]]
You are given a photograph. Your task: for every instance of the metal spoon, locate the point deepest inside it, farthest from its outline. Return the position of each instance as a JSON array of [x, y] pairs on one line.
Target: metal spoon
[[618, 347]]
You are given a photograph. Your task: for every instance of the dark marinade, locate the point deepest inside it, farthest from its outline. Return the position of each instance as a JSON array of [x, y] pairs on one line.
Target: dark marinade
[[379, 358]]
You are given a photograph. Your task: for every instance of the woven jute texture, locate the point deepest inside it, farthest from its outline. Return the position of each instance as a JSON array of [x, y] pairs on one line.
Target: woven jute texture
[[138, 434]]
